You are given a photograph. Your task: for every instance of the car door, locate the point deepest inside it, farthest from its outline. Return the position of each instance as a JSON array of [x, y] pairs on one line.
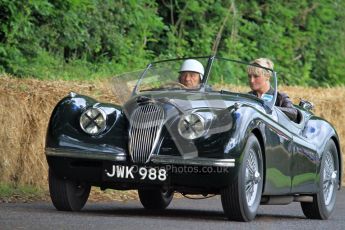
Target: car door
[[303, 161], [278, 152]]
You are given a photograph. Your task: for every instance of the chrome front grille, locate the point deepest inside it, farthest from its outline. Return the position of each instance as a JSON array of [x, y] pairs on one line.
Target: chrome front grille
[[146, 124]]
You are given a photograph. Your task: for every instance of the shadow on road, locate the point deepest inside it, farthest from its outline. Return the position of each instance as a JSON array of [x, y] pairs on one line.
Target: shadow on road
[[186, 214], [168, 213]]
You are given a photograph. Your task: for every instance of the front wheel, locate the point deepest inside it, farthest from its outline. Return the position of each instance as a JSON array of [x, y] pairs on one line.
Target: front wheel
[[67, 195], [324, 201], [241, 199], [155, 198]]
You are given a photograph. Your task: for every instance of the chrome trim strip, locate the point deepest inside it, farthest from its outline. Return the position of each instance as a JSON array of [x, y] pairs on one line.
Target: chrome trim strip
[[84, 154], [199, 161]]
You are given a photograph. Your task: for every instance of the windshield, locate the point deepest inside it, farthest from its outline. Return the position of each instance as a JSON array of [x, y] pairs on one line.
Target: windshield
[[122, 85], [197, 74], [180, 74]]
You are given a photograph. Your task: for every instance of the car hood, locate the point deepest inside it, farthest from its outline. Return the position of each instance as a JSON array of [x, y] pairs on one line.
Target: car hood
[[193, 100]]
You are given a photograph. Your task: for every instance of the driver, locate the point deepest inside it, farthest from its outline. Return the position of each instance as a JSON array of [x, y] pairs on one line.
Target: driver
[[191, 73], [259, 83]]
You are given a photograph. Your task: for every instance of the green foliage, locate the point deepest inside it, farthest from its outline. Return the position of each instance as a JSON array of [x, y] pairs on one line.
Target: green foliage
[[99, 38], [76, 38]]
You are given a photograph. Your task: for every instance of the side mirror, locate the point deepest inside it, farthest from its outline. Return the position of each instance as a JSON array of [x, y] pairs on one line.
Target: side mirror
[[307, 105]]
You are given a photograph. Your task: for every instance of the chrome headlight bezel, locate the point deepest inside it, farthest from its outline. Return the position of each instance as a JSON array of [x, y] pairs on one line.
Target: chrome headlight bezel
[[97, 121], [196, 131]]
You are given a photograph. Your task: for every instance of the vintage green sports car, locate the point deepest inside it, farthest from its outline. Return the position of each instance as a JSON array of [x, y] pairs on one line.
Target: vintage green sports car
[[208, 140]]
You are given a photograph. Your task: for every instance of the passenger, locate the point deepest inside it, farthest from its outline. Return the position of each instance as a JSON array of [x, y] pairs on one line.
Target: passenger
[[191, 73], [259, 82]]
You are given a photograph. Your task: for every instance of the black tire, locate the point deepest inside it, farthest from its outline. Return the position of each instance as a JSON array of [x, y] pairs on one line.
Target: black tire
[[235, 203], [322, 207], [155, 198], [67, 195]]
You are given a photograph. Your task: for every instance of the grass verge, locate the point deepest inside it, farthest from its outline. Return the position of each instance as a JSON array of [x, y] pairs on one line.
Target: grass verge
[[22, 193], [10, 193]]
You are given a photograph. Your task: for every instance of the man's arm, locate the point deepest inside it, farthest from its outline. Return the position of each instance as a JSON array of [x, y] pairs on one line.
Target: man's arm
[[286, 106]]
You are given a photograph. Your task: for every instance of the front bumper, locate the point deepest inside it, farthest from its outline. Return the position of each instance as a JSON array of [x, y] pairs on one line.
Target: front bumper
[[93, 155], [199, 173], [198, 161]]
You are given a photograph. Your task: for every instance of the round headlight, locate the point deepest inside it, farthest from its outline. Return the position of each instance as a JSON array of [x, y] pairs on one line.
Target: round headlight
[[93, 121], [191, 126]]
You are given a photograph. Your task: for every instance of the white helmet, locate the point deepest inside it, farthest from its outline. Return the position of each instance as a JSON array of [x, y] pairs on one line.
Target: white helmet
[[193, 66]]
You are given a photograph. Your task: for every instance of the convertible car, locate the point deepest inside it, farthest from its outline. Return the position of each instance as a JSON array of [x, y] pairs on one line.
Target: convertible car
[[213, 139]]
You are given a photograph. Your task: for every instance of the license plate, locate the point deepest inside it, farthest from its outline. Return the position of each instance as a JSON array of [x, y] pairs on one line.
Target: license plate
[[135, 173]]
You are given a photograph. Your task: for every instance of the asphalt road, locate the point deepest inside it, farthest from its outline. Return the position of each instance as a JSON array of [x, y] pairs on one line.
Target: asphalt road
[[181, 214]]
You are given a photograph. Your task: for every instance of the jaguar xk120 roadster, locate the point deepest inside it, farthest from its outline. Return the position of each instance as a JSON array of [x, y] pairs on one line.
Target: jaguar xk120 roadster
[[210, 140]]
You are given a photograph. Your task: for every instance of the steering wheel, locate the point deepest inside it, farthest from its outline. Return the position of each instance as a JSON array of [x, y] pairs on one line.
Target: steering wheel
[[173, 84]]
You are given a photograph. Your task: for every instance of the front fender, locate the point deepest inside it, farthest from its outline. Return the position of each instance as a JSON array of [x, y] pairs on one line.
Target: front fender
[[65, 134], [245, 120], [318, 132]]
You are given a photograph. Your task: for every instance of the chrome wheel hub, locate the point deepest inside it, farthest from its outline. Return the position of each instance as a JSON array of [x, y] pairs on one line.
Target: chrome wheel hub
[[252, 177], [329, 178]]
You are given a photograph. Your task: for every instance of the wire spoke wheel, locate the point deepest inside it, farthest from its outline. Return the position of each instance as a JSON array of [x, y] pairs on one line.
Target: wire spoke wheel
[[324, 201], [329, 176], [251, 178], [241, 199]]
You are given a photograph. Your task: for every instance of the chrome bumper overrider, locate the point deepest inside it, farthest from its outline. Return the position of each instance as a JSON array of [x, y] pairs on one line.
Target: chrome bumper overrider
[[157, 159], [198, 161], [85, 154]]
